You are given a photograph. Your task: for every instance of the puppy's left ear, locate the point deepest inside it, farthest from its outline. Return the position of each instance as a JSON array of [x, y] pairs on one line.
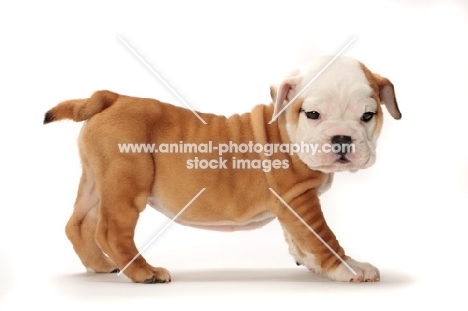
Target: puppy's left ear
[[285, 91], [387, 96]]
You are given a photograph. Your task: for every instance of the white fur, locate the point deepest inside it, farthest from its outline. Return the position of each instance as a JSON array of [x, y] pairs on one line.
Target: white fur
[[341, 94], [365, 272], [326, 184]]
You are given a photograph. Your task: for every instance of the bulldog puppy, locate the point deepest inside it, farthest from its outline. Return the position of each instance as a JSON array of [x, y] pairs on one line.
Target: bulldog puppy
[[243, 189]]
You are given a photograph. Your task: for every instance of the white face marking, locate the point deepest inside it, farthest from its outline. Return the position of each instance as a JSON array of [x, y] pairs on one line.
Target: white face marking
[[341, 94]]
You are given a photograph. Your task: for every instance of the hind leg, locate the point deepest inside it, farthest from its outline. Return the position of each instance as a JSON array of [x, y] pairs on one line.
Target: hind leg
[[81, 228], [124, 188]]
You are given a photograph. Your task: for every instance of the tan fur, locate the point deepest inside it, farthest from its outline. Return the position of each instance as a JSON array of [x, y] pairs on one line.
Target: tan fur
[[124, 181], [115, 187], [377, 83]]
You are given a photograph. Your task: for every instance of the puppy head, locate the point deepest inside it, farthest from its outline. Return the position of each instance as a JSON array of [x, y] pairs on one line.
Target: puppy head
[[336, 115]]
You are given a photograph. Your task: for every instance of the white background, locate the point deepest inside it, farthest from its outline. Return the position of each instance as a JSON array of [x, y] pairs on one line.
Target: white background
[[406, 215]]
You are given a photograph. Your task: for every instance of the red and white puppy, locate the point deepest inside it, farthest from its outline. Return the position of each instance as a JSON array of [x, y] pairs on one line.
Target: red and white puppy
[[243, 186]]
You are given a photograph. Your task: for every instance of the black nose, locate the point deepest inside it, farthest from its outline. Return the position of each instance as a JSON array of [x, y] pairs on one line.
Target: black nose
[[341, 144]]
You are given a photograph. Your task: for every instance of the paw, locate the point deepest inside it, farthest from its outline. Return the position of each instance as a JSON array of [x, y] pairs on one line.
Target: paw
[[150, 275], [112, 270], [365, 272], [105, 266], [160, 275]]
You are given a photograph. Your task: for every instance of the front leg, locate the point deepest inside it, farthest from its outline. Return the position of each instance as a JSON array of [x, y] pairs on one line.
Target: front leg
[[314, 245]]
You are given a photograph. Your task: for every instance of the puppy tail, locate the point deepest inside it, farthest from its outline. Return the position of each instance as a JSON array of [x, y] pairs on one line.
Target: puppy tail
[[81, 109]]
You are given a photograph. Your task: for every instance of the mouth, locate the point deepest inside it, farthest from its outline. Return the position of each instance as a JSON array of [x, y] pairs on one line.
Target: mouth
[[342, 160]]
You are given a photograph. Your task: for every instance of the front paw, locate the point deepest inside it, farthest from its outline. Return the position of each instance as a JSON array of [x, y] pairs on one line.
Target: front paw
[[363, 272]]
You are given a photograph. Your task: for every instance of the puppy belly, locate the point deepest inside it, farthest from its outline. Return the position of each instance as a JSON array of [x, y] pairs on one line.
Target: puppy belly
[[256, 222]]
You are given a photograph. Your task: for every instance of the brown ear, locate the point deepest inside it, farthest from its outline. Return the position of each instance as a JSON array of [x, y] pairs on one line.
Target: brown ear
[[280, 94], [387, 96]]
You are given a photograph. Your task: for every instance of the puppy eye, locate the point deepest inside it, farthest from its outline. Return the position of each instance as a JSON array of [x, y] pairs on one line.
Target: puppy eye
[[313, 115], [367, 116]]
